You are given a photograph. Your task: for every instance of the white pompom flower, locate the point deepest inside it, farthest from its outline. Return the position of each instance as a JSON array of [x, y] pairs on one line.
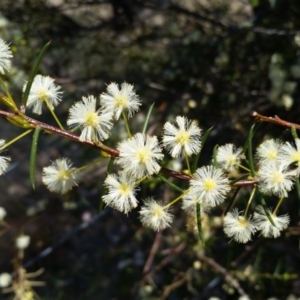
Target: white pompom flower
[[121, 192], [264, 225], [184, 136], [210, 185], [60, 177], [139, 155], [4, 160], [118, 100], [229, 157], [43, 89], [290, 154], [154, 215], [5, 57], [275, 179], [238, 227], [268, 151], [95, 124]]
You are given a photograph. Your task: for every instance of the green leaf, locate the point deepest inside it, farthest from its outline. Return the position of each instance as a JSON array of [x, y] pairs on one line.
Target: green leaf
[[294, 133], [33, 155], [33, 73], [266, 210], [147, 118], [196, 159], [250, 150], [199, 225]]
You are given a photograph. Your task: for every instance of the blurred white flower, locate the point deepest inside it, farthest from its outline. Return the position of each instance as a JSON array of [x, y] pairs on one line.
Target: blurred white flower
[[118, 100], [268, 151], [60, 176], [95, 124], [184, 136], [290, 154], [5, 56], [139, 155], [154, 215], [228, 156], [2, 213], [189, 204], [5, 280], [43, 89], [22, 242]]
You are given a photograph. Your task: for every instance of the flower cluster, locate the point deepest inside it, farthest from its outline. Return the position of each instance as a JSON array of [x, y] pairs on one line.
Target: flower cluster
[[140, 156]]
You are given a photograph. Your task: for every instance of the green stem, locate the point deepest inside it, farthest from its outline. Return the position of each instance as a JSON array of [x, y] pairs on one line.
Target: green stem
[[243, 167], [174, 201], [187, 162], [169, 183], [126, 124], [88, 165], [16, 139], [278, 205], [250, 150], [53, 114], [249, 202]]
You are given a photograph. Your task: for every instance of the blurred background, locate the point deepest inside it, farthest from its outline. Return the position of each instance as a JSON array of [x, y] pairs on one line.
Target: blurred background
[[215, 61]]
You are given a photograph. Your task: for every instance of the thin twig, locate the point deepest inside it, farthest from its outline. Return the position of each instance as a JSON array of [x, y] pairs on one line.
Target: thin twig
[[275, 120], [152, 253], [228, 277]]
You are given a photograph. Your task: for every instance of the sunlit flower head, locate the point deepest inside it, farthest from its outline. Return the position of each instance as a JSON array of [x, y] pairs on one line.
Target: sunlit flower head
[[95, 124], [275, 179], [5, 56], [5, 280], [4, 160], [290, 154], [238, 227], [229, 157], [184, 136], [264, 225], [210, 185], [268, 151], [60, 177], [154, 215], [139, 155], [22, 242], [121, 190], [43, 89], [117, 100]]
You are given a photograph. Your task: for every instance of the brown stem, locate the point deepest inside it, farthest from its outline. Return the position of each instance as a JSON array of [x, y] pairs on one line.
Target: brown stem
[[111, 151], [52, 129], [228, 277], [274, 120]]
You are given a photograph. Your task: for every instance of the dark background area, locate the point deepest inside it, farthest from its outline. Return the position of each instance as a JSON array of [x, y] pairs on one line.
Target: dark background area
[[214, 61]]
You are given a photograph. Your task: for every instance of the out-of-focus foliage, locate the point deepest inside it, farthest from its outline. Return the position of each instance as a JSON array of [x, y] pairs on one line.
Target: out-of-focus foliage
[[214, 61]]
